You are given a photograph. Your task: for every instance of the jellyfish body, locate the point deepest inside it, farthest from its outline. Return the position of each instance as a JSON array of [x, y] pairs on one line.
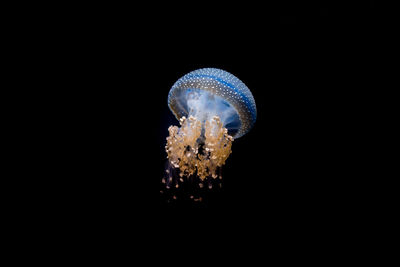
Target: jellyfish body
[[210, 92], [213, 107]]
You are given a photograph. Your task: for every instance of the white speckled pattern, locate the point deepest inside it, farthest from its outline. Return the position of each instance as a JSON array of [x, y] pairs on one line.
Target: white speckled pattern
[[219, 83]]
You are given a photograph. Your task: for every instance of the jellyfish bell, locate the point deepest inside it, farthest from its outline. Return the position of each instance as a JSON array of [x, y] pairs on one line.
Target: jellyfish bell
[[209, 92], [213, 108]]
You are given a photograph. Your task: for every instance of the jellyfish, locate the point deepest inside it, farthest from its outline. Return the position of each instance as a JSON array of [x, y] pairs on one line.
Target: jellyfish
[[213, 108]]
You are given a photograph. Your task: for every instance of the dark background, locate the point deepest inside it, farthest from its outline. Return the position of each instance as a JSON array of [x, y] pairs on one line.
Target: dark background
[[310, 69]]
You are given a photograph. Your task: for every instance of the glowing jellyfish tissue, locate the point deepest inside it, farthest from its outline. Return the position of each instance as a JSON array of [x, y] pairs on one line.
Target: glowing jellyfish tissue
[[213, 108]]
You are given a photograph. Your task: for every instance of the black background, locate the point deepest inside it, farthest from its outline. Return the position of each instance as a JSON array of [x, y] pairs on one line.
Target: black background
[[295, 173]]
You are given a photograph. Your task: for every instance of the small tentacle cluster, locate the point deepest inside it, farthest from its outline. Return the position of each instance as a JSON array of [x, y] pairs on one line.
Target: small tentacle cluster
[[198, 148]]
